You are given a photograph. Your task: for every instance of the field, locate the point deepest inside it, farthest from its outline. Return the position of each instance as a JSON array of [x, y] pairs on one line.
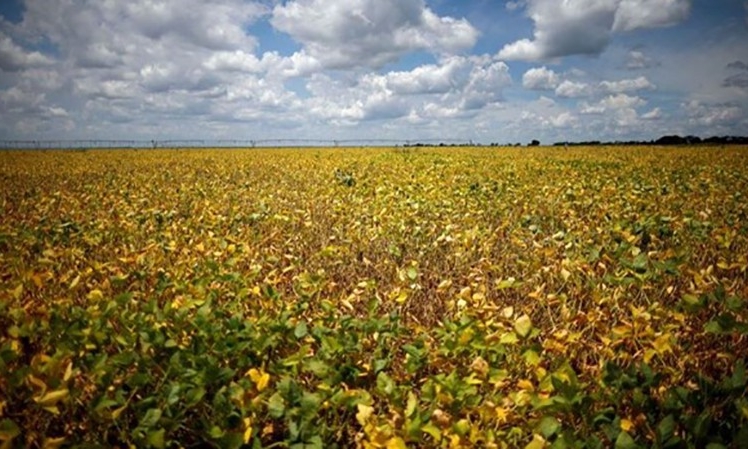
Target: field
[[375, 298]]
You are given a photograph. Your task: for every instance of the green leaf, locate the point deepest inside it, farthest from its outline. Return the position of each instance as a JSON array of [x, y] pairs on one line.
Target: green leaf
[[310, 403], [624, 441], [156, 439], [432, 430], [411, 405], [531, 357], [385, 384], [523, 326], [666, 428], [276, 405], [734, 303], [151, 417], [301, 330], [412, 273], [380, 364], [318, 367], [692, 303], [548, 426], [738, 376], [8, 430], [216, 432]]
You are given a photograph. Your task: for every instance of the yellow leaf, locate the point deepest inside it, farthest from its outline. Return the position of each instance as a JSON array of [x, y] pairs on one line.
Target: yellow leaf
[[364, 412], [502, 414], [662, 343], [523, 326], [525, 384], [53, 443], [401, 297], [626, 425], [37, 280], [537, 443], [68, 372], [465, 292], [247, 430], [18, 291], [95, 295], [649, 355], [53, 397], [260, 378], [507, 312], [396, 443], [445, 284], [479, 366], [744, 411], [37, 383], [74, 282], [118, 411]]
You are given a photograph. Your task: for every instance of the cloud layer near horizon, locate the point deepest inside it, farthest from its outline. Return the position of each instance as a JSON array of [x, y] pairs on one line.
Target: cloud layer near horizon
[[399, 69]]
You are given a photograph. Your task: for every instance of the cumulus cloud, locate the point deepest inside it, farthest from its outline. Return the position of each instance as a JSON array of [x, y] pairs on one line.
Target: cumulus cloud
[[633, 14], [712, 115], [540, 78], [572, 89], [454, 87], [626, 85], [586, 26], [612, 103], [564, 120], [14, 58], [620, 109], [637, 60], [654, 114], [371, 33]]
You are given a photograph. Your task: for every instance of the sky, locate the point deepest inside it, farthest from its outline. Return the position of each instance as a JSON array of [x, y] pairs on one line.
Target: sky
[[480, 70]]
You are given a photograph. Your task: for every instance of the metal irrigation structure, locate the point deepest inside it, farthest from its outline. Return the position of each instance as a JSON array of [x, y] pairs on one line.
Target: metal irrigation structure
[[218, 143]]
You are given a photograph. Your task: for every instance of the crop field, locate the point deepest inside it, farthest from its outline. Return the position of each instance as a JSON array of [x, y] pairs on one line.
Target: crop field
[[375, 298]]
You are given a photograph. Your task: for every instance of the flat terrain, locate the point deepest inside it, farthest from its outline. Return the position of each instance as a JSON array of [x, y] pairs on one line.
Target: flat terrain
[[399, 297]]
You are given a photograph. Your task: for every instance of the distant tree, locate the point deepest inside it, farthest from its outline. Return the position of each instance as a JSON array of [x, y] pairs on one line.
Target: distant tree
[[534, 143], [671, 140]]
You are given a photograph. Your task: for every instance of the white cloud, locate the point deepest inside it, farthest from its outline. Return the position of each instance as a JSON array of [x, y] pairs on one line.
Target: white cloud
[[626, 85], [654, 114], [455, 87], [585, 26], [564, 120], [638, 60], [572, 89], [712, 115], [371, 33], [617, 111], [540, 78], [633, 14], [621, 101], [430, 78], [14, 58], [16, 98]]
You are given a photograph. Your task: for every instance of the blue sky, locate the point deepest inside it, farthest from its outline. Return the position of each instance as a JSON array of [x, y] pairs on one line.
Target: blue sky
[[481, 70]]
